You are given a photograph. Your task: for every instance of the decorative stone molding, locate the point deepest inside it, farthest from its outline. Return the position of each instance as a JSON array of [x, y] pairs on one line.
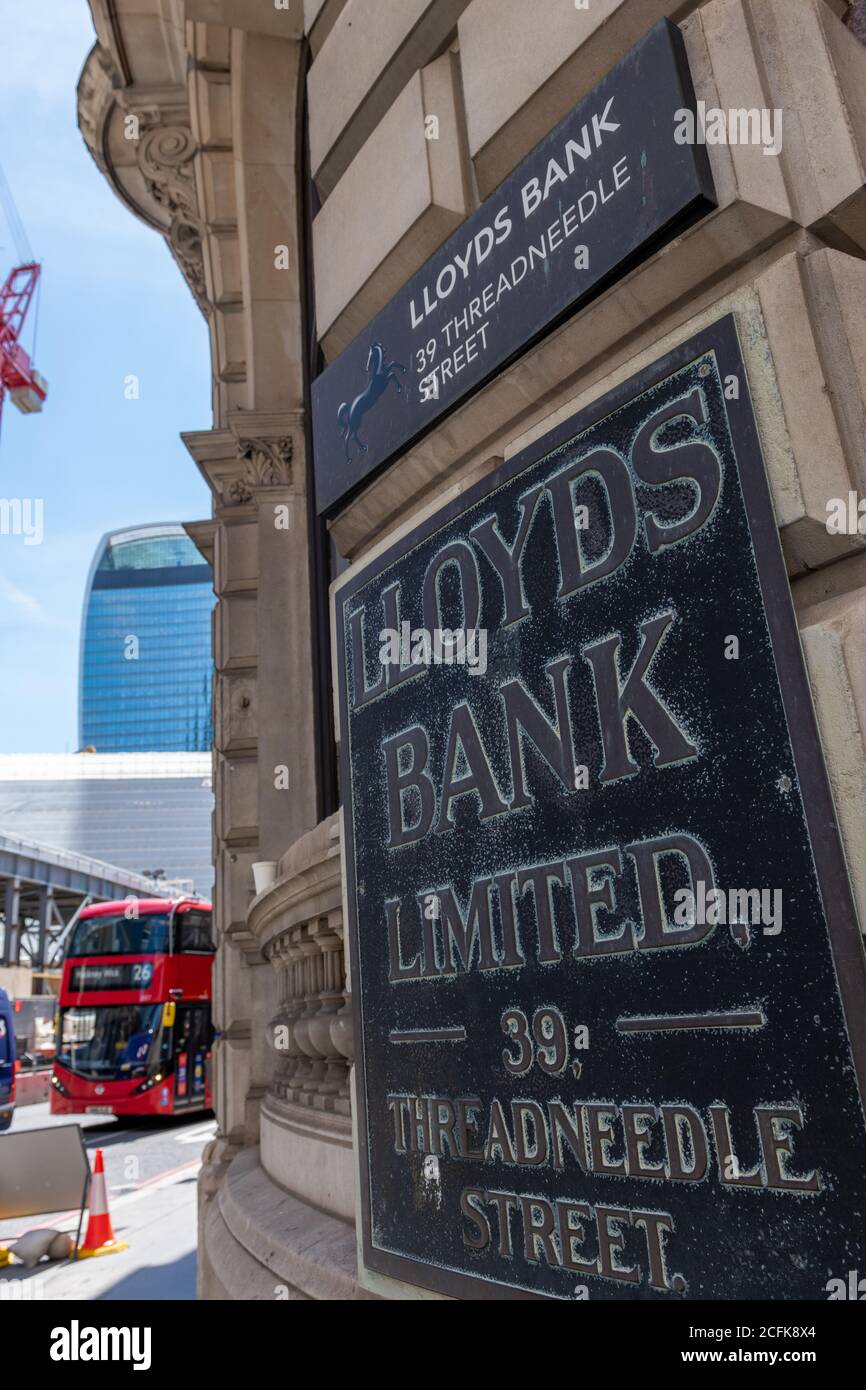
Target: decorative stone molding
[[95, 97], [267, 463], [216, 455], [165, 154], [152, 174], [236, 464], [236, 491]]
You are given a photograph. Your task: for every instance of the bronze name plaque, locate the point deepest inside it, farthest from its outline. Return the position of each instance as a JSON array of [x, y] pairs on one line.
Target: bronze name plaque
[[607, 977]]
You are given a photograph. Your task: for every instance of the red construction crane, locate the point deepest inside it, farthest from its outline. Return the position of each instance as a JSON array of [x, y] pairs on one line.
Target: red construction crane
[[27, 389]]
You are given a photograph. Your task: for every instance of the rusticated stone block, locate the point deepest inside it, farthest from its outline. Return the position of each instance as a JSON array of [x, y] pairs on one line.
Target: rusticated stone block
[[231, 982], [366, 247], [320, 16], [368, 57], [525, 67], [237, 813], [236, 709], [235, 886], [236, 632], [792, 55], [236, 557], [257, 16], [834, 644]]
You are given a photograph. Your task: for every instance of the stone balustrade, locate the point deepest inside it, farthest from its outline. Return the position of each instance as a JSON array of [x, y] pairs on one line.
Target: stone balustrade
[[311, 1032], [298, 923]]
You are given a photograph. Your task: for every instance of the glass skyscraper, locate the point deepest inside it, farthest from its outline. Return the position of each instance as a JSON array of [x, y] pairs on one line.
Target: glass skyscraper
[[146, 665]]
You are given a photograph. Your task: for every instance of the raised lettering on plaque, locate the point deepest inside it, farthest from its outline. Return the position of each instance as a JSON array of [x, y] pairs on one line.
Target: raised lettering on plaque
[[607, 973]]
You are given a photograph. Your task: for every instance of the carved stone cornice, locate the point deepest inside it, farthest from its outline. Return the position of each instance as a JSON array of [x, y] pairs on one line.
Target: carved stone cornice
[[96, 96], [140, 137]]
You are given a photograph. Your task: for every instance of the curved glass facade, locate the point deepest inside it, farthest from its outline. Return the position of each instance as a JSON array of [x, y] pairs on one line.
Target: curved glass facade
[[146, 665]]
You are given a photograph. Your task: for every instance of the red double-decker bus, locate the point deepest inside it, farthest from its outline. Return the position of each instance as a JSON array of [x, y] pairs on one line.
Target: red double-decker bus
[[134, 1028]]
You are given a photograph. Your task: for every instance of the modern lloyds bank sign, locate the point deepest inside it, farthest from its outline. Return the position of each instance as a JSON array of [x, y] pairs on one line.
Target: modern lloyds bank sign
[[608, 981], [600, 192]]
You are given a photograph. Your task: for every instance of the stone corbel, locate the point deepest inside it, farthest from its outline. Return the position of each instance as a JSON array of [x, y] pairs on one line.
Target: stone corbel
[[259, 452], [231, 467], [165, 157], [259, 463]]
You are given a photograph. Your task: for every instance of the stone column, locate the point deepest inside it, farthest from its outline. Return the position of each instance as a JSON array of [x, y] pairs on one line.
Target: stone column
[[231, 543], [244, 111]]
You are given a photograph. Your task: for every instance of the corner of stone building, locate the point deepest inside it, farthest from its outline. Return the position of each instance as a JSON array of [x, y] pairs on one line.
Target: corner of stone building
[[219, 176]]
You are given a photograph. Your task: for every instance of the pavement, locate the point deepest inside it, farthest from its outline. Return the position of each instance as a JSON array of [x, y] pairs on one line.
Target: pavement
[[151, 1168]]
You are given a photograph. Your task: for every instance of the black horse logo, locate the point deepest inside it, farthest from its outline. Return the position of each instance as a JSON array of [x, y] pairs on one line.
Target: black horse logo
[[349, 417]]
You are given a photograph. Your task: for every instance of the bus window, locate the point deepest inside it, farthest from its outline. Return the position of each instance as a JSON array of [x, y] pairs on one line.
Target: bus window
[[114, 935], [192, 932]]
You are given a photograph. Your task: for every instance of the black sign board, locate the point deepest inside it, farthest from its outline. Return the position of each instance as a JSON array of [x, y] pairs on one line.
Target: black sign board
[[608, 980], [598, 194]]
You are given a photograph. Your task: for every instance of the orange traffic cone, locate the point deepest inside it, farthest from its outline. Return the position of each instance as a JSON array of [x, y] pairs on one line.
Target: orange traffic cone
[[99, 1239]]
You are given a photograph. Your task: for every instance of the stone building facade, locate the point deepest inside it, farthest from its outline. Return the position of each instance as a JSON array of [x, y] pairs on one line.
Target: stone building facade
[[283, 150]]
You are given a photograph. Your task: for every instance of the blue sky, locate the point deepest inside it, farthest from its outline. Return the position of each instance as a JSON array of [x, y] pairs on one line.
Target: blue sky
[[112, 304]]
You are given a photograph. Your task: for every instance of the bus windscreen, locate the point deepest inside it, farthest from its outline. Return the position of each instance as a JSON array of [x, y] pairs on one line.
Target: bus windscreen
[[110, 1042]]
